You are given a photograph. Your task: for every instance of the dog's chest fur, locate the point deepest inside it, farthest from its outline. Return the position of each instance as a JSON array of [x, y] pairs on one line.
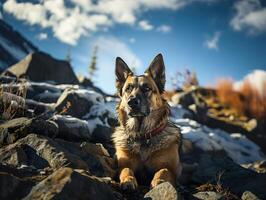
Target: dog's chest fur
[[131, 141]]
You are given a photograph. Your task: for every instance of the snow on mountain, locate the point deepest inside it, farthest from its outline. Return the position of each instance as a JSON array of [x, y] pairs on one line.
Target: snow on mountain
[[13, 46]]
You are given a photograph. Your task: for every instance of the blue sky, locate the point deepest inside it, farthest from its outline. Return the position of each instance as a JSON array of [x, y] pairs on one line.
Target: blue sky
[[214, 38]]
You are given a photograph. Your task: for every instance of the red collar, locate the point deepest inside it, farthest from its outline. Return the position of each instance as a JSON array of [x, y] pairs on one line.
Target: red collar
[[154, 132]]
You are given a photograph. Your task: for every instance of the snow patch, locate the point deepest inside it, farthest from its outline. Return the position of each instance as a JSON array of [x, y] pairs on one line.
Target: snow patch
[[237, 146]]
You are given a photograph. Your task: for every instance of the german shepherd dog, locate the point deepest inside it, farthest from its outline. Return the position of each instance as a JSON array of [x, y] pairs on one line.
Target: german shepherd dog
[[145, 139]]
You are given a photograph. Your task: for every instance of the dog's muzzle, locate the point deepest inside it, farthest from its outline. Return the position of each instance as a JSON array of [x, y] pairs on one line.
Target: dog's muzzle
[[136, 107]]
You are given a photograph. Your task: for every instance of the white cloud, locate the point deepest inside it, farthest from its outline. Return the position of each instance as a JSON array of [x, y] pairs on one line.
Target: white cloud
[[257, 79], [67, 24], [121, 11], [145, 25], [42, 36], [32, 13], [76, 18], [250, 15], [109, 48], [132, 40], [212, 42], [164, 28], [113, 47]]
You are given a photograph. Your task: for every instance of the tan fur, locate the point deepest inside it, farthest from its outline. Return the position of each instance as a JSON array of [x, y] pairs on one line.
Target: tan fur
[[159, 154]]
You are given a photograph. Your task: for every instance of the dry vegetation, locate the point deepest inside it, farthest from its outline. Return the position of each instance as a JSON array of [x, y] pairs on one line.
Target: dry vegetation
[[219, 188], [246, 100], [12, 99]]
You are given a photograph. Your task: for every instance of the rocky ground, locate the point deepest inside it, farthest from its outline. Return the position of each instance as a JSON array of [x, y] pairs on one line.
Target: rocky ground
[[55, 143]]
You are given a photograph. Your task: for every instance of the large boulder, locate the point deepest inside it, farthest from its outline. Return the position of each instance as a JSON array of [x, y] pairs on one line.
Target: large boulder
[[12, 187], [77, 103], [41, 67], [218, 169], [39, 152], [71, 128], [89, 106], [162, 191], [67, 183], [12, 130]]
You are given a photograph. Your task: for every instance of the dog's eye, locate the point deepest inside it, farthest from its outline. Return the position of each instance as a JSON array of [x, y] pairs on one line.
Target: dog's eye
[[146, 89], [129, 88]]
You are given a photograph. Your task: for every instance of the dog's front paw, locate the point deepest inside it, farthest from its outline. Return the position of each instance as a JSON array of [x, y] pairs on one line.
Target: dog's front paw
[[156, 182], [129, 183]]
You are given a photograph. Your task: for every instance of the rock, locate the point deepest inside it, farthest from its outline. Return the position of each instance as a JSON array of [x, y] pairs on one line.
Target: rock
[[14, 157], [217, 167], [39, 152], [101, 133], [201, 102], [95, 149], [43, 92], [7, 79], [47, 97], [15, 129], [208, 195], [38, 107], [67, 183], [162, 191], [72, 129], [102, 156], [102, 166], [258, 166], [76, 103], [41, 67], [25, 173], [90, 106], [11, 106], [12, 187], [247, 195], [84, 81]]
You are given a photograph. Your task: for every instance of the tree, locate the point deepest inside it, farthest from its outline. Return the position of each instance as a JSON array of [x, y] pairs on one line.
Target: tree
[[68, 55], [190, 80], [92, 66]]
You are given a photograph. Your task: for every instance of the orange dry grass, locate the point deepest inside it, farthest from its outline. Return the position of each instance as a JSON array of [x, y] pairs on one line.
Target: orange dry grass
[[245, 101], [255, 103], [168, 95], [229, 97]]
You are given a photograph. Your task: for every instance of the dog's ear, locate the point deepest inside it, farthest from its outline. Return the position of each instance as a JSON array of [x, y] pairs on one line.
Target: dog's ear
[[122, 71], [157, 71]]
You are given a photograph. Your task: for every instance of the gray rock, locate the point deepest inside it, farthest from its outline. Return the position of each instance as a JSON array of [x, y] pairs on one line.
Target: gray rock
[[208, 195], [74, 103], [15, 129], [38, 107], [40, 152], [163, 191], [214, 167], [67, 183], [12, 187], [42, 67], [247, 195], [72, 129]]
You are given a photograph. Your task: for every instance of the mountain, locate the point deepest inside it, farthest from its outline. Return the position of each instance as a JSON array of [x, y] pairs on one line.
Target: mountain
[[13, 46]]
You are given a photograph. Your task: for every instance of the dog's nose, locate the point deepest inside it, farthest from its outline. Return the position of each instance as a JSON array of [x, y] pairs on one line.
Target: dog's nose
[[134, 102]]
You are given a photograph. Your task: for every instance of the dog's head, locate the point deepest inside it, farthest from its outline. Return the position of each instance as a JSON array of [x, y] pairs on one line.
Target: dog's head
[[140, 95]]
